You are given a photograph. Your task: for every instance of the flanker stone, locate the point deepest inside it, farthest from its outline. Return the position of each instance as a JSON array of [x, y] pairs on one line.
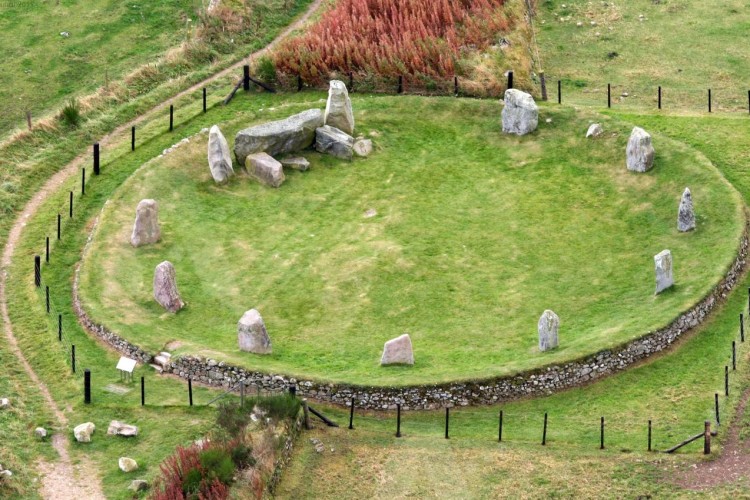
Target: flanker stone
[[264, 168], [548, 326], [252, 334], [296, 163], [663, 264], [339, 108], [640, 151], [83, 432], [398, 351], [520, 113], [146, 229], [595, 130], [280, 137], [219, 157], [685, 214], [165, 287], [127, 464], [334, 142], [117, 428]]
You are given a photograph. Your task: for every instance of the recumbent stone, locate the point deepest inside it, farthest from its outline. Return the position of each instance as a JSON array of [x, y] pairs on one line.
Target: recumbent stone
[[165, 287], [279, 137], [146, 229]]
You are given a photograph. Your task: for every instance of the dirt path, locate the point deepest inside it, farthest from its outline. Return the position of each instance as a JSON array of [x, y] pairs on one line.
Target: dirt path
[[62, 480], [733, 463]]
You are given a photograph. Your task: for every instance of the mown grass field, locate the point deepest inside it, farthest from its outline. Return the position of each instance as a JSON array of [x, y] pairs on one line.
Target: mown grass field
[[476, 234]]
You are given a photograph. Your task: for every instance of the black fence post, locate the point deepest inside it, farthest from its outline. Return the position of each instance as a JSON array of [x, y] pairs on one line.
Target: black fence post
[[742, 328], [601, 435], [293, 390], [709, 100], [609, 95], [649, 435], [351, 415], [73, 357], [726, 380], [246, 77], [510, 79], [83, 181], [447, 419], [143, 391], [87, 386], [734, 355], [46, 250], [398, 420], [748, 101], [500, 428], [707, 437], [716, 405], [59, 327], [96, 158], [37, 271], [400, 84], [59, 225], [71, 204], [559, 92], [544, 432], [46, 293], [190, 391], [748, 298], [171, 117], [659, 96], [299, 83], [455, 86], [132, 138]]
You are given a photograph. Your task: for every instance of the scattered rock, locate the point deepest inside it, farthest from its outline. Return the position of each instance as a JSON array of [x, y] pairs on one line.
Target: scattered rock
[[338, 112], [319, 446], [280, 137], [640, 152], [520, 114], [84, 431], [117, 428], [398, 351], [252, 334], [127, 464], [296, 163], [595, 130], [264, 168], [548, 326], [663, 264], [40, 432], [219, 157], [362, 147], [5, 474], [4, 403], [371, 212], [146, 229], [165, 287], [65, 34], [334, 142], [138, 485], [685, 214], [162, 359]]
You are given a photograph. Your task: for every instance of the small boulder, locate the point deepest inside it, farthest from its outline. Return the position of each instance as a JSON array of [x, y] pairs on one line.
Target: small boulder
[[4, 403], [252, 334], [362, 147], [127, 464], [663, 265], [264, 168], [548, 326], [280, 137], [219, 157], [520, 114], [595, 130], [40, 432], [138, 485], [117, 428], [398, 351], [5, 474], [640, 152], [334, 142], [146, 229], [296, 163], [165, 287], [338, 112], [685, 214], [84, 431]]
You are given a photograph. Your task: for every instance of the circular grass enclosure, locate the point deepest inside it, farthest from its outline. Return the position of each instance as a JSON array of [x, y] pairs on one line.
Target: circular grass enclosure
[[476, 234]]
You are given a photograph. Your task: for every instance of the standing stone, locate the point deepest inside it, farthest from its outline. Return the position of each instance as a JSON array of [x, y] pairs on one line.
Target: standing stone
[[663, 264], [334, 142], [83, 432], [548, 326], [296, 163], [280, 137], [520, 113], [265, 169], [398, 351], [595, 130], [127, 464], [362, 147], [640, 152], [339, 108], [219, 157], [252, 334], [146, 228], [685, 214], [165, 287]]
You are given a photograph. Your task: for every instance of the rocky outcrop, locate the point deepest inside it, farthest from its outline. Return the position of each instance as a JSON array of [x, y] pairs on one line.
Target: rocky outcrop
[[165, 287], [332, 141], [146, 229], [520, 114], [219, 157], [640, 151], [280, 137], [265, 169], [338, 112]]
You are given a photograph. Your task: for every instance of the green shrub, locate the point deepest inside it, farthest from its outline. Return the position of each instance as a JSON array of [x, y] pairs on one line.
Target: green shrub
[[278, 407], [217, 464], [192, 481], [71, 113], [242, 456], [232, 419], [266, 69]]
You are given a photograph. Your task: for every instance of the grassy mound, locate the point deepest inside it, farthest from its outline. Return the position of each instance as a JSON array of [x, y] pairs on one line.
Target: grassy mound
[[476, 233]]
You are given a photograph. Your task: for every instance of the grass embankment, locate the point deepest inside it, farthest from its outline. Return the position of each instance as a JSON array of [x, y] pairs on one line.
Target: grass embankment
[[686, 47], [675, 391], [476, 234]]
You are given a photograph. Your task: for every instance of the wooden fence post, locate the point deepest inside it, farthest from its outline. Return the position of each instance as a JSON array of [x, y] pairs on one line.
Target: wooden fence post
[[87, 386], [204, 99], [447, 418], [649, 435], [500, 428], [351, 415], [398, 420], [543, 82], [37, 271], [707, 438], [716, 404], [132, 138], [59, 225], [601, 435], [306, 412], [143, 391]]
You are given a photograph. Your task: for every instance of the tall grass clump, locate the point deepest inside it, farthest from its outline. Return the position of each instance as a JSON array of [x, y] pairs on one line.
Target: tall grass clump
[[70, 114]]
